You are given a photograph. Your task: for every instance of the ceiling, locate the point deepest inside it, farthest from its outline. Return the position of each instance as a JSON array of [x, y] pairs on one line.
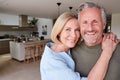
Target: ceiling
[[49, 8]]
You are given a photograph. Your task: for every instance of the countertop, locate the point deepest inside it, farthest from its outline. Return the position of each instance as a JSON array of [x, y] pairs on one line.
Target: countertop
[[33, 41], [5, 39]]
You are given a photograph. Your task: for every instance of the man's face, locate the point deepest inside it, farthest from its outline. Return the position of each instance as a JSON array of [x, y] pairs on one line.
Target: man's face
[[91, 26]]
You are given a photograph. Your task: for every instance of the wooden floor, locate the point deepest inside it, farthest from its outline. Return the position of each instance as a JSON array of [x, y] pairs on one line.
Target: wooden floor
[[11, 69]]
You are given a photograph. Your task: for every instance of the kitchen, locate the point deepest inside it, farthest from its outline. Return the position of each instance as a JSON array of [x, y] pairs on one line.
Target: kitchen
[[20, 29], [12, 56], [13, 41]]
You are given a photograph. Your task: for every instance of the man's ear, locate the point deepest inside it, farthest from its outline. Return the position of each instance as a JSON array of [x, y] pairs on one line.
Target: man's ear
[[104, 26]]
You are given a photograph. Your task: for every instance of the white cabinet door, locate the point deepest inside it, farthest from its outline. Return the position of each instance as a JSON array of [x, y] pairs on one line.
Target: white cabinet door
[[17, 50]]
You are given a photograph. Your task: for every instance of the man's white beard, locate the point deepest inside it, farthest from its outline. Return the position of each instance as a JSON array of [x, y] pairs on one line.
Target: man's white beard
[[90, 41]]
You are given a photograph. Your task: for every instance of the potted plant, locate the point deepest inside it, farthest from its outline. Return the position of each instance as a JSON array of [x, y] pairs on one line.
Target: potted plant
[[33, 22]]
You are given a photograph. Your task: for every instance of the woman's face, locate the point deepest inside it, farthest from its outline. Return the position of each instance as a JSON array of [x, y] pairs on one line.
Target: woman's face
[[70, 33]]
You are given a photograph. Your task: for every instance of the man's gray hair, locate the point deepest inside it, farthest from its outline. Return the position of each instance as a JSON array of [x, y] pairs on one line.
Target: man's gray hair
[[92, 5]]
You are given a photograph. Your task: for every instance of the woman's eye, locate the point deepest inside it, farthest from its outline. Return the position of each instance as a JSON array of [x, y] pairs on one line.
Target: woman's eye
[[67, 29]]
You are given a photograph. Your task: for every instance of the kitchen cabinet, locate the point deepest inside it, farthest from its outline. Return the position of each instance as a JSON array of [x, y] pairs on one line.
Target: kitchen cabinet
[[4, 46], [17, 49], [15, 23]]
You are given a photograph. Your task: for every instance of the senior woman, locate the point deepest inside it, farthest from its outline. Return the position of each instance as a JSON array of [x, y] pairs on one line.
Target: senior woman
[[57, 62]]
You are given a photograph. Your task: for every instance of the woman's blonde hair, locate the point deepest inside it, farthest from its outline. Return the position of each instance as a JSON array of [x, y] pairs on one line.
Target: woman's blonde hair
[[59, 25]]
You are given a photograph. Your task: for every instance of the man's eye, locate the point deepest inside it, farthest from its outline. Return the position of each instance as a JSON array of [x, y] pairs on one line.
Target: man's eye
[[94, 22], [85, 22]]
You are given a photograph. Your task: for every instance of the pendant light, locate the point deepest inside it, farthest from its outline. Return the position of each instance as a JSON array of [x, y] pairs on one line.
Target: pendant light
[[70, 8], [59, 3]]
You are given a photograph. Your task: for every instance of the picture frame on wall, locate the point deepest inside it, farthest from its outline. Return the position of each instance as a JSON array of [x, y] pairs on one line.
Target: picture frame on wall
[[44, 30]]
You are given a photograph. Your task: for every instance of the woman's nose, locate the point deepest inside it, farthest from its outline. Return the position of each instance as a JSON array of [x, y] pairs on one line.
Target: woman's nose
[[73, 34]]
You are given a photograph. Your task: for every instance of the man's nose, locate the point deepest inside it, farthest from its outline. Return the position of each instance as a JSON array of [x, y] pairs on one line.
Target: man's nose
[[90, 27]]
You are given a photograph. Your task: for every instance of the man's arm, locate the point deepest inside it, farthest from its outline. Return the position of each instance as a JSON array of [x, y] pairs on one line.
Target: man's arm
[[100, 68]]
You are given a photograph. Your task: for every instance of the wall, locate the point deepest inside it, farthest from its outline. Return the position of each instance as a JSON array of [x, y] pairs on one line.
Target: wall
[[41, 24], [115, 25]]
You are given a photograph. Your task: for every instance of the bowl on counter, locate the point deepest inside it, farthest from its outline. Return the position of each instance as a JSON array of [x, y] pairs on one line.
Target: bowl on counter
[[2, 37]]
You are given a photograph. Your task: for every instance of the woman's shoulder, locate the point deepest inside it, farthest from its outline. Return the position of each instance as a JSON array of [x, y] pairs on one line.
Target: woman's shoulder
[[49, 44], [49, 51]]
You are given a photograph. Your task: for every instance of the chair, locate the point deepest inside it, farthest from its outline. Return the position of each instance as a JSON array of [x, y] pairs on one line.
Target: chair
[[40, 49], [29, 53]]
